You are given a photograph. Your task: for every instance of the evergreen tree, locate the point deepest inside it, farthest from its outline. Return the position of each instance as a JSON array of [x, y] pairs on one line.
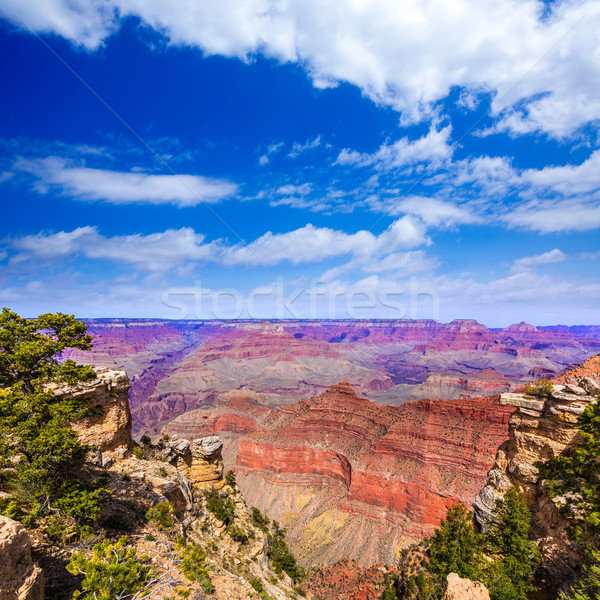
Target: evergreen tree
[[44, 454], [455, 547], [510, 575]]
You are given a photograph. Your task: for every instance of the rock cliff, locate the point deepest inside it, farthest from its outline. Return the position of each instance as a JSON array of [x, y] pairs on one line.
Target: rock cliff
[[110, 428], [541, 428], [20, 579], [350, 478]]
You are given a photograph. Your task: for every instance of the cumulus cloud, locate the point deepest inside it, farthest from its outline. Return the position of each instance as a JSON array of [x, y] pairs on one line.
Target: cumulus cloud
[[312, 244], [544, 75], [528, 263], [435, 212], [178, 247], [117, 187], [434, 146], [153, 252], [550, 216]]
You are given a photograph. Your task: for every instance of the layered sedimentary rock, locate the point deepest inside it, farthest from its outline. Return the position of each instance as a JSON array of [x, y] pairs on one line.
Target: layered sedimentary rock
[[200, 461], [350, 478], [20, 579], [541, 428], [110, 427], [177, 366]]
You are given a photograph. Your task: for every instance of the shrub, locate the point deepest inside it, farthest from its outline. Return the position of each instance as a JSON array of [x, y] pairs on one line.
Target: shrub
[[280, 556], [238, 534], [146, 441], [230, 478], [193, 561], [220, 505], [162, 513], [260, 520], [111, 572], [118, 521], [542, 389]]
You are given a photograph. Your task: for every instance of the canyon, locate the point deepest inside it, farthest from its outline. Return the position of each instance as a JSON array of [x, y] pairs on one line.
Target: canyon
[[356, 436], [177, 366]]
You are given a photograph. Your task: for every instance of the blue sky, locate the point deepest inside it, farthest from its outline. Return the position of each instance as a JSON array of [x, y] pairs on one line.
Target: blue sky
[[300, 159]]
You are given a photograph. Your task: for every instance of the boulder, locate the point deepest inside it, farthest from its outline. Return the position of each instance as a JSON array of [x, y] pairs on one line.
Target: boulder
[[464, 589], [20, 579]]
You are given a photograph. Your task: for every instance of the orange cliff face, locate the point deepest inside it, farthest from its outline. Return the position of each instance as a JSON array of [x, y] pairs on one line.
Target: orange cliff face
[[350, 478]]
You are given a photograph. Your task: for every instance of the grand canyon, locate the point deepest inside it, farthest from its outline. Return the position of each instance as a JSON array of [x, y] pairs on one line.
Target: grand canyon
[[356, 435]]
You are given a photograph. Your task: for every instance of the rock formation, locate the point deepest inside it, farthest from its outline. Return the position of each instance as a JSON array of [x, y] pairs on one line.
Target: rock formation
[[200, 461], [178, 366], [350, 478], [539, 429], [110, 428], [20, 579], [464, 589]]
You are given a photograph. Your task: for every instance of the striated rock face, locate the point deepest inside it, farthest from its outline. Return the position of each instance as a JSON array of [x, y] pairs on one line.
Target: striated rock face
[[111, 428], [20, 579], [464, 589], [350, 478], [200, 461], [541, 428], [178, 366]]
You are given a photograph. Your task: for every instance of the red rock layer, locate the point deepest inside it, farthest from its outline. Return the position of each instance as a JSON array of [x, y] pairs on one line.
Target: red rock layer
[[393, 471]]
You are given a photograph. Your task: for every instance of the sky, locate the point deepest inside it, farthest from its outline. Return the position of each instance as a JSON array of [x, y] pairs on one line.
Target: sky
[[301, 159]]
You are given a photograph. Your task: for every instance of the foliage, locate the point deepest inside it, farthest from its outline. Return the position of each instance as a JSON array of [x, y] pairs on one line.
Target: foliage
[[146, 441], [510, 575], [455, 547], [161, 513], [238, 534], [30, 349], [281, 557], [230, 478], [542, 388], [575, 477], [260, 520], [220, 505], [587, 586], [113, 571], [193, 561], [44, 454]]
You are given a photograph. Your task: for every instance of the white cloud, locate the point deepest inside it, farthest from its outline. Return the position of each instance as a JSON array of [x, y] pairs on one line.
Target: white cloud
[[528, 263], [434, 146], [180, 247], [405, 54], [547, 216], [568, 180], [153, 252], [298, 149], [271, 149], [314, 244], [436, 213], [116, 187]]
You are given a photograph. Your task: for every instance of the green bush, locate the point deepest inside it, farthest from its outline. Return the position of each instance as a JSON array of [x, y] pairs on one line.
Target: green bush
[[193, 566], [280, 556], [111, 572], [260, 520], [163, 514], [238, 534], [220, 505], [230, 479], [542, 389]]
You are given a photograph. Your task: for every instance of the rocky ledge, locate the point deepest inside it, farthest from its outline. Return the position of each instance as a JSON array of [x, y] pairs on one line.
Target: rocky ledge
[[539, 429]]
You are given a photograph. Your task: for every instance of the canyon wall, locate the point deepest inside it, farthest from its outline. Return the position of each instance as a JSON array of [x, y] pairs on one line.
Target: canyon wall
[[350, 478], [178, 366], [542, 428]]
